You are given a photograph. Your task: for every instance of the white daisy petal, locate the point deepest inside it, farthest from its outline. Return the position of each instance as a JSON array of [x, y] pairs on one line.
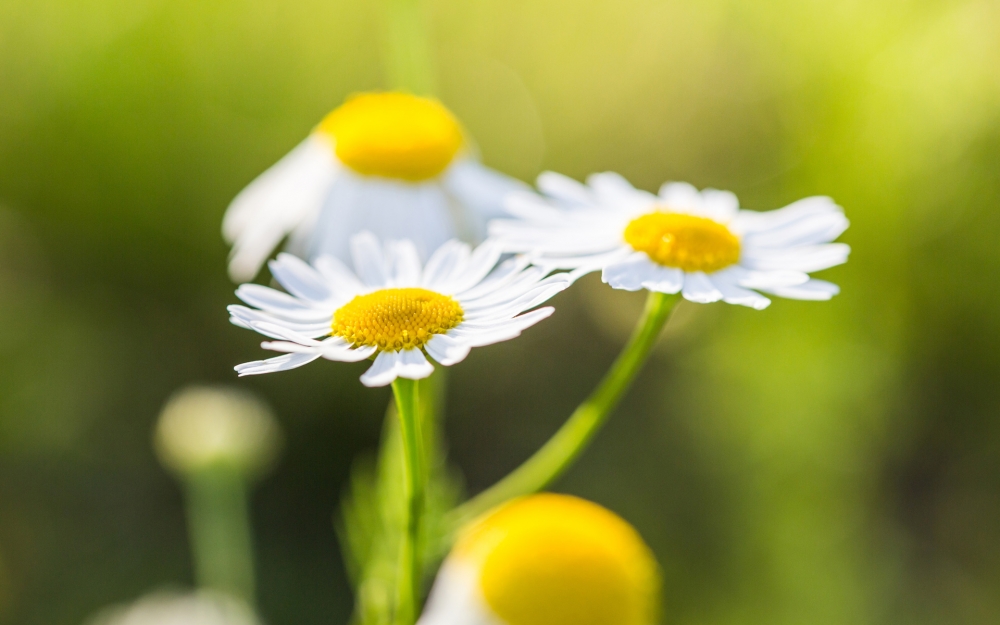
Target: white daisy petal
[[403, 262], [809, 230], [447, 350], [757, 279], [457, 599], [748, 222], [681, 197], [274, 301], [413, 365], [341, 280], [299, 278], [813, 290], [536, 295], [383, 371], [482, 189], [499, 278], [336, 349], [238, 323], [630, 273], [527, 205], [805, 258], [481, 262], [699, 288], [732, 293], [288, 347], [522, 283], [604, 236], [721, 206], [278, 363], [563, 188], [614, 189], [664, 279], [281, 198], [390, 209], [277, 330], [246, 317], [449, 259], [583, 264], [369, 261], [266, 300], [506, 331]]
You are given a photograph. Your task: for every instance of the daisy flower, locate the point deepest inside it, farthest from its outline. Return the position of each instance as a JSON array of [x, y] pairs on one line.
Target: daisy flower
[[698, 243], [392, 163], [547, 560], [393, 309]]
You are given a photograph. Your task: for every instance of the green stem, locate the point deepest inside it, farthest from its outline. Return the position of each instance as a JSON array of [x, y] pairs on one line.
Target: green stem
[[415, 476], [407, 50], [218, 520], [568, 443]]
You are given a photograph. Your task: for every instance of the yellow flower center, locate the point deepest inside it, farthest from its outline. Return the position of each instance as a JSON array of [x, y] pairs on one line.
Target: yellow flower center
[[396, 319], [394, 135], [558, 560], [684, 241]]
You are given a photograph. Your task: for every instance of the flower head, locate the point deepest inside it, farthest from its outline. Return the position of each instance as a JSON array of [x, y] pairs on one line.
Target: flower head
[[201, 427], [699, 243], [392, 163], [547, 560], [393, 308]]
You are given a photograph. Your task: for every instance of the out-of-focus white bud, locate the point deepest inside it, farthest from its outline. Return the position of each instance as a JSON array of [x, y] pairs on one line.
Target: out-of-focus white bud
[[202, 427], [202, 608]]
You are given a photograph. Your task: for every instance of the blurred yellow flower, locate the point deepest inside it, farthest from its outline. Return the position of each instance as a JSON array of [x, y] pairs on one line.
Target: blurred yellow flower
[[547, 560], [395, 164]]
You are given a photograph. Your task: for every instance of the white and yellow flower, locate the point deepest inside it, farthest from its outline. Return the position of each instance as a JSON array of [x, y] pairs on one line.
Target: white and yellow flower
[[699, 243], [547, 560], [392, 308], [391, 163]]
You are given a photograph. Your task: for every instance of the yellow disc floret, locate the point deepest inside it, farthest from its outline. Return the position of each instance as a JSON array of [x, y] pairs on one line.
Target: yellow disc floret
[[396, 319], [684, 241], [394, 135], [558, 560]]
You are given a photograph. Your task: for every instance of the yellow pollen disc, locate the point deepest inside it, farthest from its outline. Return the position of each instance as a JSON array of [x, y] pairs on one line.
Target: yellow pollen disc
[[558, 560], [396, 319], [394, 135], [684, 241]]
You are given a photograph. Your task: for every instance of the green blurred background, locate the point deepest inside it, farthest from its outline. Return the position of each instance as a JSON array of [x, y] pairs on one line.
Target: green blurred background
[[821, 463]]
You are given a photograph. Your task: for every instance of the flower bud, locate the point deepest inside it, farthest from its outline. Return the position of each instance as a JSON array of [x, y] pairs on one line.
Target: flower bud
[[202, 427], [203, 608]]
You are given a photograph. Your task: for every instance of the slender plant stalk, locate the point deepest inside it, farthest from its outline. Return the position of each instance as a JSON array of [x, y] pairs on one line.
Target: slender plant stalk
[[406, 393], [407, 51], [219, 523], [566, 445]]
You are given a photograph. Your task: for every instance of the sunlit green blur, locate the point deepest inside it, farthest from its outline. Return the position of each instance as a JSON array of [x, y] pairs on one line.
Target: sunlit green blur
[[821, 463]]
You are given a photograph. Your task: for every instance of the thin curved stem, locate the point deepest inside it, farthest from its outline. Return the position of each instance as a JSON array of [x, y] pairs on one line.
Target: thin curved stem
[[566, 445], [408, 407]]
